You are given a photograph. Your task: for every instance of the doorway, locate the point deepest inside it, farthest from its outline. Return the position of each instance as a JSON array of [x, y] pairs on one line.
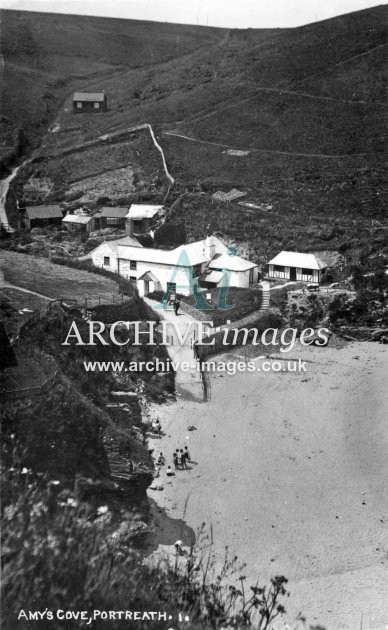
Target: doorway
[[171, 291]]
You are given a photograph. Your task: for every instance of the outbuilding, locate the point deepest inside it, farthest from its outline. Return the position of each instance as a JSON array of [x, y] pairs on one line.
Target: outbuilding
[[111, 217], [142, 217], [41, 216], [297, 267], [89, 102], [81, 223]]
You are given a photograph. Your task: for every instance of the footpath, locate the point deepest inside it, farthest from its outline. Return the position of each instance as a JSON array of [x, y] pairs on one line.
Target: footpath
[[188, 384]]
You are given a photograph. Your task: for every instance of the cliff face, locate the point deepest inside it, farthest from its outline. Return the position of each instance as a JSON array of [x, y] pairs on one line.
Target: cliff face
[[87, 429]]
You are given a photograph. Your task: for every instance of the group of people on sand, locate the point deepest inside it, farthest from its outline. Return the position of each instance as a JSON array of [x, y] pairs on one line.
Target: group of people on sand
[[156, 426], [181, 457]]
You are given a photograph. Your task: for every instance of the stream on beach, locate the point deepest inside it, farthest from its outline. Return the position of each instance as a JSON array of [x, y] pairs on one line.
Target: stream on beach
[[290, 471]]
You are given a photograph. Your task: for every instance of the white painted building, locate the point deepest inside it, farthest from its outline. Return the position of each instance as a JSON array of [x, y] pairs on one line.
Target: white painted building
[[296, 266], [106, 253], [234, 270], [173, 271]]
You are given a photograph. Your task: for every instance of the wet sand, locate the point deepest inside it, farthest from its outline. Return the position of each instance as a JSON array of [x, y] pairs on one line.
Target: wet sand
[[292, 473]]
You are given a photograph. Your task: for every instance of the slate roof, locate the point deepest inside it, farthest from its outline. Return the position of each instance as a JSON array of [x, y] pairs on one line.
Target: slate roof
[[143, 211], [212, 276], [148, 276], [113, 213], [298, 259], [81, 219], [230, 262], [44, 212], [190, 254]]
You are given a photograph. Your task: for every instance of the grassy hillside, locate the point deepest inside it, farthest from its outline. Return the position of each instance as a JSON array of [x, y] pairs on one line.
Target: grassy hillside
[[47, 56], [306, 104], [53, 281]]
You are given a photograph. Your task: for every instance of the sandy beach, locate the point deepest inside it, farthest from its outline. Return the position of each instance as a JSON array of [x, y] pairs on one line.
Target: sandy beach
[[291, 471]]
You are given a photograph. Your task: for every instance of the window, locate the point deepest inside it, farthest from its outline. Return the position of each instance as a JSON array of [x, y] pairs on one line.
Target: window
[[132, 264], [79, 105], [132, 279], [307, 272], [278, 268], [96, 105], [106, 261]]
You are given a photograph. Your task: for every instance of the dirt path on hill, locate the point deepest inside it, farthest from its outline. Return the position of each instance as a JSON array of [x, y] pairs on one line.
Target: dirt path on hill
[[188, 383], [292, 473], [228, 146], [6, 285]]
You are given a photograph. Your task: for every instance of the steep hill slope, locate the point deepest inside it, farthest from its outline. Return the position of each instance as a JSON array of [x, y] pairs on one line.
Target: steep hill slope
[[305, 106], [46, 56]]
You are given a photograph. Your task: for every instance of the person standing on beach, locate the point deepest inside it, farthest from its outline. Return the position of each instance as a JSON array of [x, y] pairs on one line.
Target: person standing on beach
[[187, 454], [183, 458], [176, 306]]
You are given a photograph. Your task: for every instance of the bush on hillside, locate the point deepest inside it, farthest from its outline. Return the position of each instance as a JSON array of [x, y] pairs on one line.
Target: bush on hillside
[[130, 310], [55, 433], [57, 554]]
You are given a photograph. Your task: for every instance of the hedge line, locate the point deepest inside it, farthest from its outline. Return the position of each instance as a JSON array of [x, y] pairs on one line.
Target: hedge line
[[124, 285]]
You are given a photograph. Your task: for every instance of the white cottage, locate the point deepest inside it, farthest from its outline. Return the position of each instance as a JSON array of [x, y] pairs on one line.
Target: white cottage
[[172, 271], [228, 267], [296, 266], [105, 255]]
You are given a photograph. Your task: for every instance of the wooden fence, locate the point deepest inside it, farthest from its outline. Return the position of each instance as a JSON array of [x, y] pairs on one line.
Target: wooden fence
[[206, 387], [26, 392]]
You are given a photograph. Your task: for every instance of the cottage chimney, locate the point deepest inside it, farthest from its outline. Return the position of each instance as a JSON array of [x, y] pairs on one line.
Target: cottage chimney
[[210, 247]]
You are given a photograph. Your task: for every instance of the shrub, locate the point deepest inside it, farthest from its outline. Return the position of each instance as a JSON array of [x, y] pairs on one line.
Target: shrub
[[60, 553], [55, 433]]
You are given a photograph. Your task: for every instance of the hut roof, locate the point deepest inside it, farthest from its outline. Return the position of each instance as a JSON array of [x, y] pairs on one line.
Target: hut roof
[[43, 212], [89, 96], [298, 259]]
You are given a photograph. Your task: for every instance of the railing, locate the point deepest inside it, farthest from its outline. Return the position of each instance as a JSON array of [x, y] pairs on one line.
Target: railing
[[194, 312], [206, 386], [26, 392], [35, 318]]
